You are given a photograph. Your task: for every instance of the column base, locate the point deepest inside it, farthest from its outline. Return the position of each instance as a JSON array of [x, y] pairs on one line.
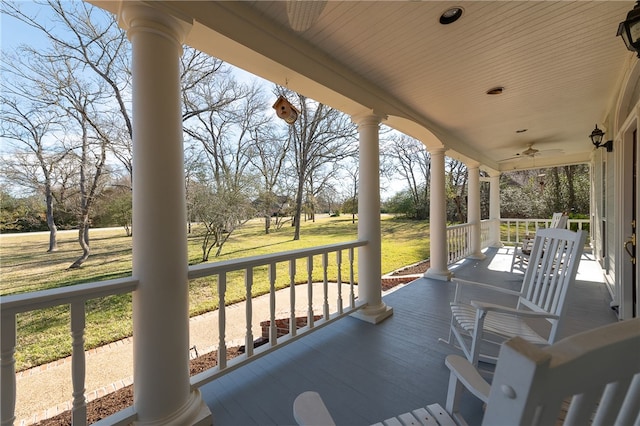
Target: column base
[[373, 315], [479, 256], [445, 275], [497, 244], [194, 413]]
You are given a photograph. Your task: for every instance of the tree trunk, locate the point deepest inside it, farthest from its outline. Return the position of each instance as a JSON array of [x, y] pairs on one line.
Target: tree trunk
[[557, 199], [53, 230], [298, 211], [267, 224], [568, 170], [83, 240]]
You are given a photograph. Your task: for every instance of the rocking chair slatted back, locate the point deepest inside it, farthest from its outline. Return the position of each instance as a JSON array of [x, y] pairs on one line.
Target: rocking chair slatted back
[[534, 385], [553, 265], [480, 325]]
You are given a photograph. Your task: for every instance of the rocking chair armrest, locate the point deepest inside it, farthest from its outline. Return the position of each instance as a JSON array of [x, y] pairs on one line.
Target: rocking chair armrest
[[485, 306], [484, 286], [469, 376]]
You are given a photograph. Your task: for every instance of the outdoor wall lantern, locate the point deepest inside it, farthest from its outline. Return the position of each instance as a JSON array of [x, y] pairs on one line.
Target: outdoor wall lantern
[[596, 138], [285, 110], [629, 29]]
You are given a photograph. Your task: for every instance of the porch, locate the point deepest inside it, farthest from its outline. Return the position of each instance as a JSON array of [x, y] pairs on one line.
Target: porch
[[368, 373]]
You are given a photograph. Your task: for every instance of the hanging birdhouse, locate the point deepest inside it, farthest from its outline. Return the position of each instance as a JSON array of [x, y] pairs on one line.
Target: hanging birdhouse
[[286, 110]]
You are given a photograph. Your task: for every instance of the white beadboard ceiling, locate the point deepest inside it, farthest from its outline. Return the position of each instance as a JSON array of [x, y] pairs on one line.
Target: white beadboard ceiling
[[560, 64]]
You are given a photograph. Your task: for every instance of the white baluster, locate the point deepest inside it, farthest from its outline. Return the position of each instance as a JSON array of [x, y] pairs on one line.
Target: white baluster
[[222, 321], [293, 329], [310, 291], [78, 363], [248, 282], [325, 285], [339, 262], [273, 329], [352, 294], [8, 369]]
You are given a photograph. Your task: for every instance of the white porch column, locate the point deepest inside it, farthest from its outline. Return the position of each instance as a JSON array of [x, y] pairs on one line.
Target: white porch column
[[494, 209], [438, 219], [162, 392], [369, 256], [473, 210]]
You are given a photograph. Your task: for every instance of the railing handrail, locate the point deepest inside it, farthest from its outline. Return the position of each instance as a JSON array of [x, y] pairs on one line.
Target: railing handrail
[[208, 269], [459, 225], [24, 302]]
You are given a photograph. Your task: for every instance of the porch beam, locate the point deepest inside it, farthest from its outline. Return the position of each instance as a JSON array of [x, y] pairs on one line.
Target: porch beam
[[438, 219], [370, 256], [162, 391]]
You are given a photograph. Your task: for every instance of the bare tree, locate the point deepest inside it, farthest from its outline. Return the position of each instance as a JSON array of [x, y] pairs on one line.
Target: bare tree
[[456, 184], [27, 123], [225, 132], [221, 213], [268, 155], [320, 136], [90, 148], [84, 34], [351, 203], [85, 74], [411, 161]]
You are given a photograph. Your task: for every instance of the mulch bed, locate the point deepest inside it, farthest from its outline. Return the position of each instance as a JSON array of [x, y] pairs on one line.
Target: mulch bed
[[112, 403], [418, 268], [122, 398]]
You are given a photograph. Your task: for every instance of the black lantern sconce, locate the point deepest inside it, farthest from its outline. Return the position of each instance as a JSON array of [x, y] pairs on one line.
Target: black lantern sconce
[[629, 29], [596, 138]]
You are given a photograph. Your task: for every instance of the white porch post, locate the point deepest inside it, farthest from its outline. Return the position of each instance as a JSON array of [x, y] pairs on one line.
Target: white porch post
[[473, 210], [162, 392], [369, 256], [438, 219], [494, 209]]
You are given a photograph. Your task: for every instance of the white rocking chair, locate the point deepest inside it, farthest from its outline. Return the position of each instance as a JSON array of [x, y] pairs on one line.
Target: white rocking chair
[[555, 256], [522, 251], [591, 377]]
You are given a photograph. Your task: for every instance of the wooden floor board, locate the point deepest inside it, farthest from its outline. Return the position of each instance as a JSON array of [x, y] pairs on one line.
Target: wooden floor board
[[367, 373]]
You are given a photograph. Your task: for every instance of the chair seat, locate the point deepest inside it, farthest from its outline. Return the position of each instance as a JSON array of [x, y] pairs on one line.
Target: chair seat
[[497, 323]]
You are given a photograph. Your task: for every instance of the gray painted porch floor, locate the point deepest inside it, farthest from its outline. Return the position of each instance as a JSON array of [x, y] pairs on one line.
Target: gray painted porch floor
[[367, 373]]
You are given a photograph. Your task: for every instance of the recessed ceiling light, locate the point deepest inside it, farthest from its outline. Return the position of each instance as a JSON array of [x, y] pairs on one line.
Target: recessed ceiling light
[[495, 91], [450, 15]]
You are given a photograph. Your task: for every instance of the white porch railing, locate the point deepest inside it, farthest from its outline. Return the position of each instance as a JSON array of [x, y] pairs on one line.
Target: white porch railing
[[77, 295], [458, 242], [221, 271], [513, 230], [485, 229]]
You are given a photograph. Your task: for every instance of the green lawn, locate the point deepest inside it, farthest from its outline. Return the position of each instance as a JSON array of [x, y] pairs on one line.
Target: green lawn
[[43, 336]]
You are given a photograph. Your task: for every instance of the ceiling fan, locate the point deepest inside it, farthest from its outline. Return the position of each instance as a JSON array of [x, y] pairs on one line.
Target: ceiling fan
[[532, 152]]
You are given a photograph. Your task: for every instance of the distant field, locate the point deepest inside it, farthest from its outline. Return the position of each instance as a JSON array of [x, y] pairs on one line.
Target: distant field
[[43, 336]]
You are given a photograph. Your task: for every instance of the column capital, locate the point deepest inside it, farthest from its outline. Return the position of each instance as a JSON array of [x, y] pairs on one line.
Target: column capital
[[137, 16], [473, 165], [370, 118], [437, 150]]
